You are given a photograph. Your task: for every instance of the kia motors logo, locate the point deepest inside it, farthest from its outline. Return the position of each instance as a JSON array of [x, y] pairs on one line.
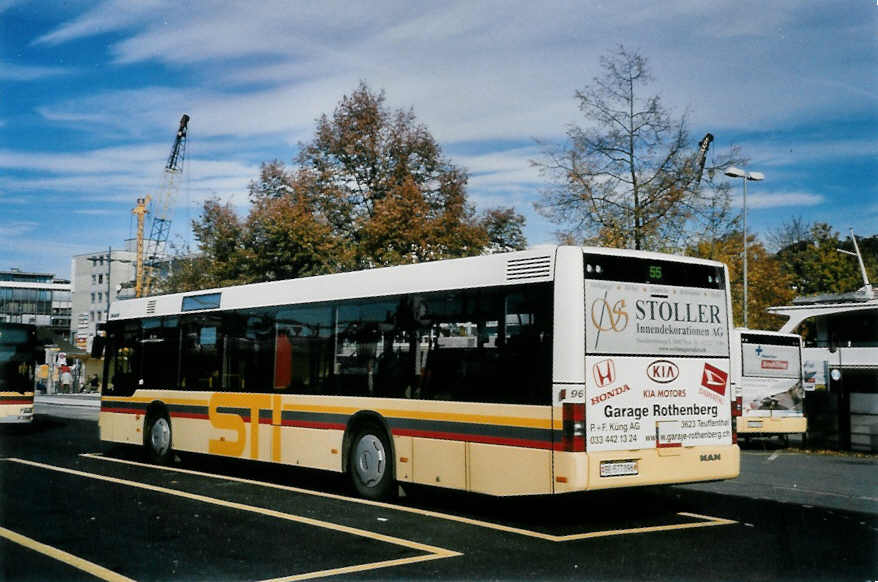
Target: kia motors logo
[[662, 371], [604, 373], [714, 379]]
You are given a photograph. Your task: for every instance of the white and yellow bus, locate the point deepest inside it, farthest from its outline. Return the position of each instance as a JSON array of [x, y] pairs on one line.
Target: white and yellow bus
[[18, 354], [767, 373], [542, 371]]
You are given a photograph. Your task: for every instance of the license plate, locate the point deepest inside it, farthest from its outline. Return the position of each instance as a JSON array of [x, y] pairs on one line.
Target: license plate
[[754, 424], [618, 468]]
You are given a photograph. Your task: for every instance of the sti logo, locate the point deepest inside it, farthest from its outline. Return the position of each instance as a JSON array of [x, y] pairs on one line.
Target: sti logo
[[604, 373], [759, 351], [714, 379]]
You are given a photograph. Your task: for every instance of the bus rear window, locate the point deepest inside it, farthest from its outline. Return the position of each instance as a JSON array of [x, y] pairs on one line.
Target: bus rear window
[[640, 270]]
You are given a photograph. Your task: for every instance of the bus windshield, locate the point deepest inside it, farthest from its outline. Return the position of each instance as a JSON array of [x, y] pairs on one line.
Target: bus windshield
[[16, 357]]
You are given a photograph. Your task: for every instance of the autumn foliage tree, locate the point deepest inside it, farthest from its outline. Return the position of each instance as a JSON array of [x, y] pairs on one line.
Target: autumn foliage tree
[[767, 284], [809, 254]]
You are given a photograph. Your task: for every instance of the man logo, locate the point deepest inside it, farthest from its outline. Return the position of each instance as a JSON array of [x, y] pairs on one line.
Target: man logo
[[604, 373], [714, 379], [662, 371], [607, 318]]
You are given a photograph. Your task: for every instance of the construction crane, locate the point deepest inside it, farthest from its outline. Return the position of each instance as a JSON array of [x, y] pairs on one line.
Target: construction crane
[[150, 257], [703, 146]]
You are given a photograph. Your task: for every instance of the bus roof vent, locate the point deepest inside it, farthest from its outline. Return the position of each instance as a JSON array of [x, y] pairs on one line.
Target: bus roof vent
[[538, 267], [150, 307]]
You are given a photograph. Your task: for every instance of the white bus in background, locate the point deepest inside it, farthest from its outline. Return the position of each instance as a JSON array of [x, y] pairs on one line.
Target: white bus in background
[[767, 374], [543, 371]]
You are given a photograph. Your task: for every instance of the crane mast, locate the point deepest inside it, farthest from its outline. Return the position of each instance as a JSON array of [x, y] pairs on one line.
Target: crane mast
[[155, 246], [700, 158]]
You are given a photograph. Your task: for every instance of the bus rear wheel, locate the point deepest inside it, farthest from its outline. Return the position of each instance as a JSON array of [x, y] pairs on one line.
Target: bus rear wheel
[[157, 438], [369, 463]]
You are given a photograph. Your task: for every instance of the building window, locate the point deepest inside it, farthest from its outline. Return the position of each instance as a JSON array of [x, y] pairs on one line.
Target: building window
[[92, 297], [100, 279]]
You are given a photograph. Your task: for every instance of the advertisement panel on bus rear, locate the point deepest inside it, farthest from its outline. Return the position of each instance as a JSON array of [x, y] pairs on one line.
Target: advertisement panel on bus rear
[[638, 318], [644, 402]]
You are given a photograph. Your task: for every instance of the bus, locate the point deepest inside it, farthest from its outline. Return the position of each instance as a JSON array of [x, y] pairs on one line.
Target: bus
[[18, 353], [544, 371], [767, 373]]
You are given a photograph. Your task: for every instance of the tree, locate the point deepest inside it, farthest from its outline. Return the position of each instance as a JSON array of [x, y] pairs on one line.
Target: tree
[[368, 163], [628, 178], [505, 230], [809, 254], [767, 284]]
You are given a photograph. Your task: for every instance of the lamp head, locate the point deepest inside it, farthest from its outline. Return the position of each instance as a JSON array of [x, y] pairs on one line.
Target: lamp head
[[756, 176], [734, 172]]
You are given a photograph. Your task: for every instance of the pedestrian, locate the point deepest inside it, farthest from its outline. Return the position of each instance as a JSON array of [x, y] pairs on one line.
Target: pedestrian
[[93, 383], [66, 380]]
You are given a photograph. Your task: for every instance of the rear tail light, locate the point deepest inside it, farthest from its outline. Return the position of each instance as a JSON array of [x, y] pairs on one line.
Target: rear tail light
[[737, 410], [573, 430]]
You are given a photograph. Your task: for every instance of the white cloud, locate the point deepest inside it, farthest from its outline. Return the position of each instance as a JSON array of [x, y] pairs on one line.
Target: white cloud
[[782, 200], [22, 73]]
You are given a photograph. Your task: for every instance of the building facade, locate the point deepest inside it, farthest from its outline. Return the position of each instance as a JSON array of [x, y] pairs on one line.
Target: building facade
[[40, 299], [97, 279]]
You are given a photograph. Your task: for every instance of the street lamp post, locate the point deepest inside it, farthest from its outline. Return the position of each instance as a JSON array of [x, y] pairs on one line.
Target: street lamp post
[[734, 172]]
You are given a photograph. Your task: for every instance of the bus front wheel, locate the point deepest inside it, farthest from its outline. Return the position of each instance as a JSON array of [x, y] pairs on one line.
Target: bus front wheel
[[369, 463], [157, 438]]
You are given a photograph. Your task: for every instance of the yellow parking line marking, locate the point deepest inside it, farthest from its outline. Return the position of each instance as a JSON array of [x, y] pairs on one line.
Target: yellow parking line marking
[[432, 552], [62, 556], [653, 528], [708, 520], [363, 567]]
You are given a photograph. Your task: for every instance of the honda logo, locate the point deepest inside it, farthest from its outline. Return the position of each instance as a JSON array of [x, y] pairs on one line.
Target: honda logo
[[662, 371], [714, 379], [604, 373]]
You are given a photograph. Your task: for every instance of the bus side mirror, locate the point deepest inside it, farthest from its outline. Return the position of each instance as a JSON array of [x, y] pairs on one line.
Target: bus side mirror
[[97, 346]]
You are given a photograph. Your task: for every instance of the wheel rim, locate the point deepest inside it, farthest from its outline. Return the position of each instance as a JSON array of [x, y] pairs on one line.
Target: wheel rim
[[370, 460], [160, 436]]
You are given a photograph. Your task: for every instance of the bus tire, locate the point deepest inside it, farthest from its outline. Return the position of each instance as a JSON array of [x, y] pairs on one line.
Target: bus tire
[[157, 437], [370, 463]]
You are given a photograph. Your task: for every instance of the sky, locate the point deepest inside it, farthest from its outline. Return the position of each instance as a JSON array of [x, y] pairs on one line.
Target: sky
[[91, 94]]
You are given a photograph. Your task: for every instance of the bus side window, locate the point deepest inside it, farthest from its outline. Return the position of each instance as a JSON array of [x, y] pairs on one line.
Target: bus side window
[[160, 346], [201, 357], [361, 329], [123, 361], [303, 349]]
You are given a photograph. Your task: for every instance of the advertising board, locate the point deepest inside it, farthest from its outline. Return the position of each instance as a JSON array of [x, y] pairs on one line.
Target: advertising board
[[638, 318]]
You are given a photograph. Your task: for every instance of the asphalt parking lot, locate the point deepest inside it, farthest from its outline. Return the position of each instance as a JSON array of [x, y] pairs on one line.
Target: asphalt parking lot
[[72, 509]]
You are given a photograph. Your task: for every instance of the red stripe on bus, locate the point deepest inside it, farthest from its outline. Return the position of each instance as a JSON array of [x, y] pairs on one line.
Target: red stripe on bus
[[4, 402], [196, 415], [307, 424], [668, 445], [124, 410]]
